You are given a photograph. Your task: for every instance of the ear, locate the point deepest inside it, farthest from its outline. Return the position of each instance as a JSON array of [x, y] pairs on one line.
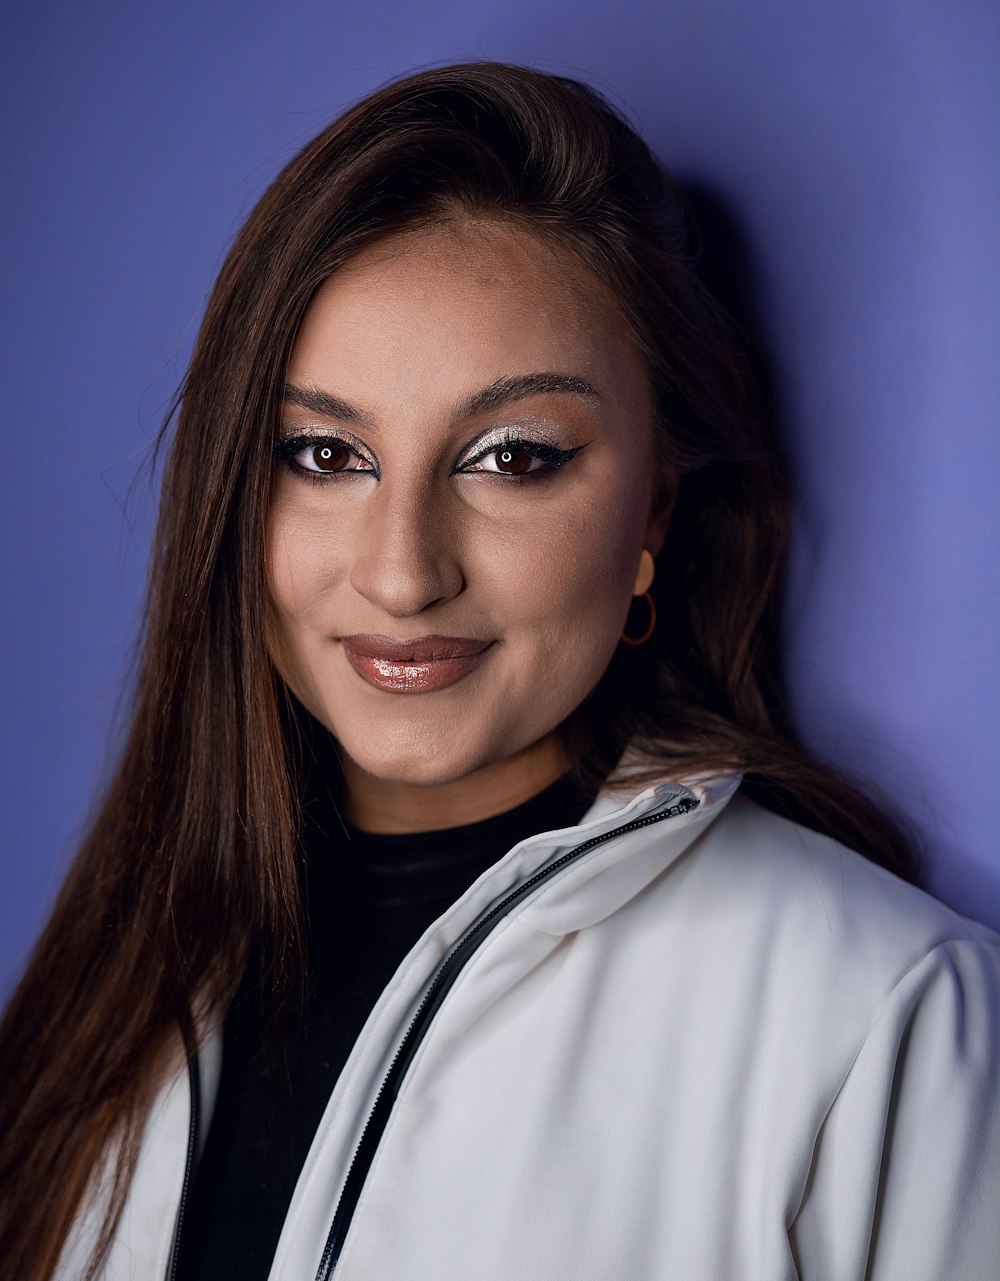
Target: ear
[[661, 508]]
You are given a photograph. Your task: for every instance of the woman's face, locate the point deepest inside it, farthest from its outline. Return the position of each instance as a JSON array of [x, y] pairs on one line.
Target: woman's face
[[467, 457]]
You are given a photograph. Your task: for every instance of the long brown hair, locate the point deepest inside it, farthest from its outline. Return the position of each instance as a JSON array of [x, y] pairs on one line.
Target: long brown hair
[[190, 865]]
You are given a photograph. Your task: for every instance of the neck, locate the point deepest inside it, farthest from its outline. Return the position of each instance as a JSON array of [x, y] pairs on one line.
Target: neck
[[389, 806]]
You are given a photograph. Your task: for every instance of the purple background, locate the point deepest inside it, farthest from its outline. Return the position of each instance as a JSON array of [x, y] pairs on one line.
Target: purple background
[[855, 144]]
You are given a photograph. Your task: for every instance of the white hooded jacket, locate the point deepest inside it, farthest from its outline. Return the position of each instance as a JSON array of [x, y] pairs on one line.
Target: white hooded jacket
[[683, 1040]]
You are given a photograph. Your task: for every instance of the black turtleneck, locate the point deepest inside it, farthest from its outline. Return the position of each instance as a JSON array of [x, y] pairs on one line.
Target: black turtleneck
[[369, 898]]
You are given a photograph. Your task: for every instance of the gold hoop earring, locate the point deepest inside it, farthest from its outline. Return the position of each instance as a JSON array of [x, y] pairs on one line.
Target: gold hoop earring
[[641, 640]]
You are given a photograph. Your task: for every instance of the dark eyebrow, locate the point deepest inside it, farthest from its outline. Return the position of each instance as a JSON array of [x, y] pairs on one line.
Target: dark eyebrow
[[505, 390], [321, 402], [501, 392]]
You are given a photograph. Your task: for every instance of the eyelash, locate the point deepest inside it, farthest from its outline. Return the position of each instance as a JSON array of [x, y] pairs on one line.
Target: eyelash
[[287, 449], [552, 458]]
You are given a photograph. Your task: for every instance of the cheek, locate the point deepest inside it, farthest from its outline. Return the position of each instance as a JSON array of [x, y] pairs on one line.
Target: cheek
[[571, 579], [302, 568]]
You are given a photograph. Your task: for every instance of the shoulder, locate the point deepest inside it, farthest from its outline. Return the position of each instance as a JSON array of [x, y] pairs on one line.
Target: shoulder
[[877, 1010], [809, 930], [803, 884]]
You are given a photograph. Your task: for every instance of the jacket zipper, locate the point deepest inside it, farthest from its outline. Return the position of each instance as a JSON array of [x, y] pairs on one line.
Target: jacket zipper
[[194, 1084], [438, 987]]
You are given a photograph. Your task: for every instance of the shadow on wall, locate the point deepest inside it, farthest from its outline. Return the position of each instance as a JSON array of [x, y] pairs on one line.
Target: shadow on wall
[[722, 259]]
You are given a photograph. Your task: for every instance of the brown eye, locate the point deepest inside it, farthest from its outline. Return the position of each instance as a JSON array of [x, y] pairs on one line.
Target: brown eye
[[329, 457], [518, 458], [513, 461]]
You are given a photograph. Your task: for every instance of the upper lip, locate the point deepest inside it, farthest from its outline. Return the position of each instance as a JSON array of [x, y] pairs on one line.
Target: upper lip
[[423, 649]]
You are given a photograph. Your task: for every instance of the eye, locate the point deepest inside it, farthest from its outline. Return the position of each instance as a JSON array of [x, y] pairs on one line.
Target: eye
[[332, 457], [512, 460], [518, 458], [321, 455]]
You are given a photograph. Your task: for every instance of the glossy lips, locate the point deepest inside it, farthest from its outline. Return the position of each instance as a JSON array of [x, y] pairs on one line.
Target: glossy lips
[[413, 667]]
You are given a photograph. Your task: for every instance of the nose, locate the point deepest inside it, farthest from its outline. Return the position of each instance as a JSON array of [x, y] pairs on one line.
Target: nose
[[407, 555]]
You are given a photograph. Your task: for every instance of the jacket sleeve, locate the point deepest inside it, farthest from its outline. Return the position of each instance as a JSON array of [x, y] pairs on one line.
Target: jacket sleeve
[[905, 1177]]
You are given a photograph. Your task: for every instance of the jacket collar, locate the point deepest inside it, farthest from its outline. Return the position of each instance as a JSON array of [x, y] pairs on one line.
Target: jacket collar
[[626, 839]]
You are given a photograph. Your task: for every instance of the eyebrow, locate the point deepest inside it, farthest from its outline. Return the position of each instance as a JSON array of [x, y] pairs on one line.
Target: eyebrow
[[321, 402], [506, 390], [503, 391]]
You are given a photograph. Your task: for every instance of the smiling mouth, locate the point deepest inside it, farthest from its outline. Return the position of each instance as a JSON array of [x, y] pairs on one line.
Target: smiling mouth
[[413, 667]]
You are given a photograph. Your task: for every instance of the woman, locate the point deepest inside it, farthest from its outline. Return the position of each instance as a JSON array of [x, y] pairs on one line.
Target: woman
[[461, 906]]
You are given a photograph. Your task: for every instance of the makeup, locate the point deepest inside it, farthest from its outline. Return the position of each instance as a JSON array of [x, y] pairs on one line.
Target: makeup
[[464, 469], [413, 667]]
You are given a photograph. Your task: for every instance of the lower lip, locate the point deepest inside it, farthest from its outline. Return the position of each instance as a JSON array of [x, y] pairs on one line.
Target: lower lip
[[412, 678]]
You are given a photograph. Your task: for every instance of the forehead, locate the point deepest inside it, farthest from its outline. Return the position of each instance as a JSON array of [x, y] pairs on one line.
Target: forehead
[[462, 303]]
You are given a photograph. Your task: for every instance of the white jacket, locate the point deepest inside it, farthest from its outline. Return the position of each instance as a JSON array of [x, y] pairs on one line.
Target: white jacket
[[713, 1047]]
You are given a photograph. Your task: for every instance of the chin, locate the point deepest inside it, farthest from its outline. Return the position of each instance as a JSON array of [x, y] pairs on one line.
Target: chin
[[416, 769], [420, 760]]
